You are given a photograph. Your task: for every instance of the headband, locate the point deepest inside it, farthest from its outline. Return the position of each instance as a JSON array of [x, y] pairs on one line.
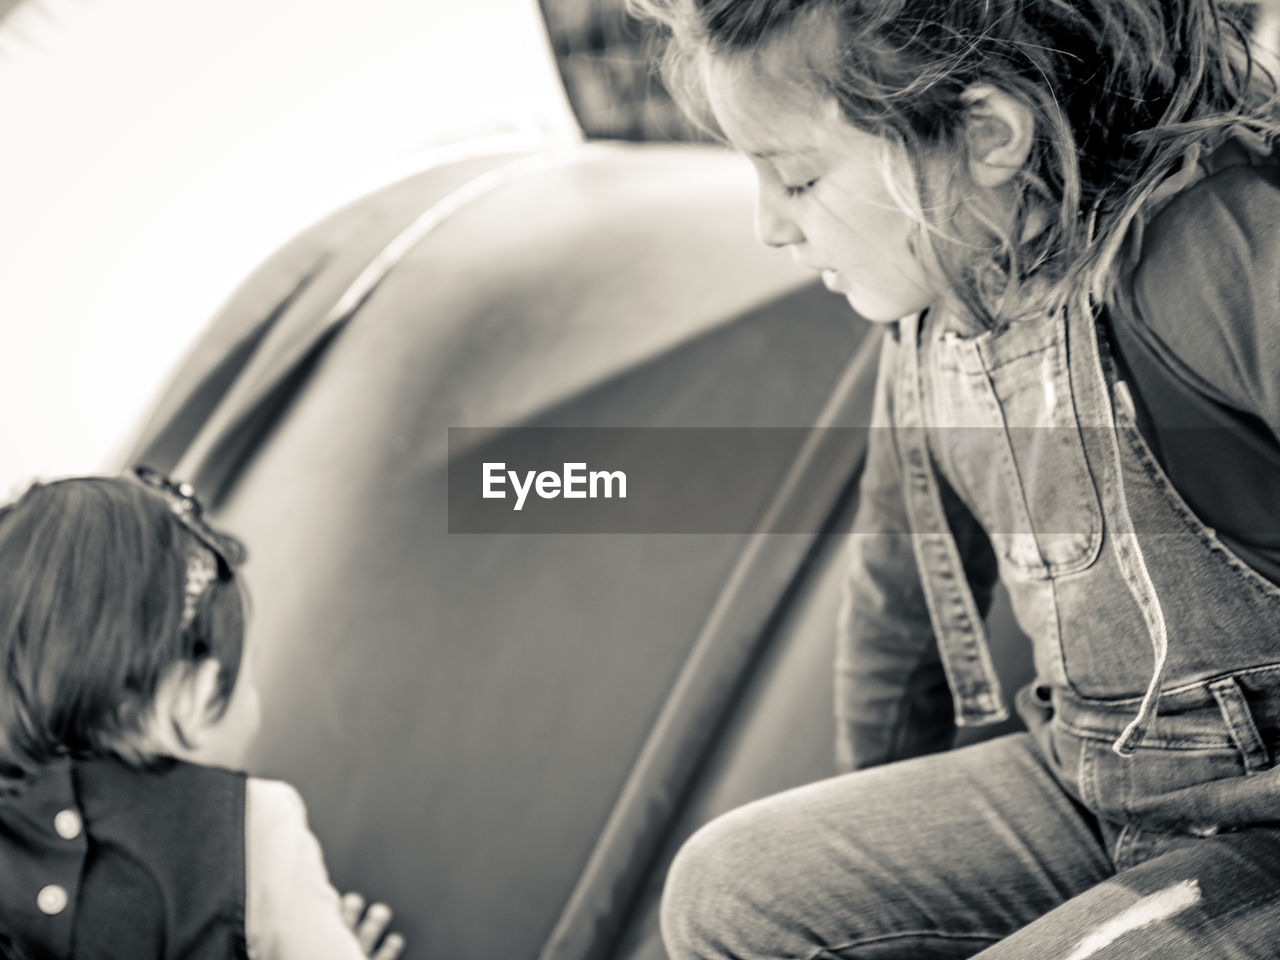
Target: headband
[[211, 557], [202, 570]]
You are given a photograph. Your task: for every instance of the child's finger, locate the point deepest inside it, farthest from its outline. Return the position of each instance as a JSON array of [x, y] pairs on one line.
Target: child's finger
[[391, 947], [373, 926], [352, 906]]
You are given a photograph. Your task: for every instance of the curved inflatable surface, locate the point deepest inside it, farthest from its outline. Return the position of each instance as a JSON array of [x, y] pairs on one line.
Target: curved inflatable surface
[[504, 735]]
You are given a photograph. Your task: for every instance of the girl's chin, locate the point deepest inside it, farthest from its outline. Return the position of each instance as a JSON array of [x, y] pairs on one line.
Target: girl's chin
[[877, 306], [877, 310]]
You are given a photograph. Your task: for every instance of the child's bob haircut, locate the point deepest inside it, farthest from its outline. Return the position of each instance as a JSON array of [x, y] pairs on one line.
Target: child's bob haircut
[[1119, 90], [93, 583]]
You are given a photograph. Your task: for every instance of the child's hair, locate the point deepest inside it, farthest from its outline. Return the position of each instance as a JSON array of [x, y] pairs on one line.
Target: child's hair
[[1119, 90], [105, 583]]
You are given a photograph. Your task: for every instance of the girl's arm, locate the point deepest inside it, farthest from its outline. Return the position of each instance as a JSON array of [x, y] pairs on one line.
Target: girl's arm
[[892, 699], [1207, 291], [292, 911]]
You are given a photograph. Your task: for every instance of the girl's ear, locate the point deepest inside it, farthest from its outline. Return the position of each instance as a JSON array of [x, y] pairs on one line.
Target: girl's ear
[[998, 132], [191, 698]]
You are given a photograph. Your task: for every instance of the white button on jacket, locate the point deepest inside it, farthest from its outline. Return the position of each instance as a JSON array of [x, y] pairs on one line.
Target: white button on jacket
[[67, 824], [52, 899]]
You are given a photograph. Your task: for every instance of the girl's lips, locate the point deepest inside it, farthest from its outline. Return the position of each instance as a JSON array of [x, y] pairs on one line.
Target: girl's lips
[[831, 280]]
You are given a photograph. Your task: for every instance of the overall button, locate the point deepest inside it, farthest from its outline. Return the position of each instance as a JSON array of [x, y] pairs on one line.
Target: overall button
[[67, 824], [52, 899]]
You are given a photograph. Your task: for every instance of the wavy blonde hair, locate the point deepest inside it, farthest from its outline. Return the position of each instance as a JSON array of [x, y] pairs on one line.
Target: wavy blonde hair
[[1119, 89]]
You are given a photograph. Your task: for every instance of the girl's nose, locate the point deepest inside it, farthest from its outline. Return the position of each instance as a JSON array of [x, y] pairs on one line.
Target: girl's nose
[[774, 228]]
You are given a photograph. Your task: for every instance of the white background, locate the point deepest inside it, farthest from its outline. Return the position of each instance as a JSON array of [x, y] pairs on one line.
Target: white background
[[152, 152]]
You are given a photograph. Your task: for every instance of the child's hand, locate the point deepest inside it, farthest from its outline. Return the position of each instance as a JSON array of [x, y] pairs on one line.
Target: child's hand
[[370, 925]]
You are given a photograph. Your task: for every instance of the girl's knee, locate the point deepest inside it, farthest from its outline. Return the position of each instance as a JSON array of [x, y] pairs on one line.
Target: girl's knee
[[698, 895], [717, 889], [785, 876]]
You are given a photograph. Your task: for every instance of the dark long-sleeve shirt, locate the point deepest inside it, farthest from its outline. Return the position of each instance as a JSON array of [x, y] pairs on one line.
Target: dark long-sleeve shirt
[[1199, 341]]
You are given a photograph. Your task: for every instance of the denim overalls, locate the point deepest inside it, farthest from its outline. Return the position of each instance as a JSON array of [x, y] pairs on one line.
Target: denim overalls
[[1157, 651]]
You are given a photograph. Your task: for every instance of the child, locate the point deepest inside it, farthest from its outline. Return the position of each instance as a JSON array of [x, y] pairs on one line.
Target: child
[[1069, 211], [121, 643]]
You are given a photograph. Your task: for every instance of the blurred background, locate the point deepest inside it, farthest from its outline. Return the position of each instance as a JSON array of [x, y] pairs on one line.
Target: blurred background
[[154, 152]]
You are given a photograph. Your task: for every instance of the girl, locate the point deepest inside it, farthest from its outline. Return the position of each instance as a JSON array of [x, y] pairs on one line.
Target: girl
[[1068, 212], [121, 641]]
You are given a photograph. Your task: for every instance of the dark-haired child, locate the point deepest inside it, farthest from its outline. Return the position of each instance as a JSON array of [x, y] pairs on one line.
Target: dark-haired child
[[122, 642]]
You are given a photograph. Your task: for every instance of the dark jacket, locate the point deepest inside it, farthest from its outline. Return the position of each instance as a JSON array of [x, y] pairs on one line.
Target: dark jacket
[[104, 861]]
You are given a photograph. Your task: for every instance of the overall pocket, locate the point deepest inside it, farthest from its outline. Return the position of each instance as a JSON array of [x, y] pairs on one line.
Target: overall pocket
[[1006, 434], [1205, 766]]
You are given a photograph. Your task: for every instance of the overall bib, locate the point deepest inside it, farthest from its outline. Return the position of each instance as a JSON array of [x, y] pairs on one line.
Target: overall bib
[[1157, 651]]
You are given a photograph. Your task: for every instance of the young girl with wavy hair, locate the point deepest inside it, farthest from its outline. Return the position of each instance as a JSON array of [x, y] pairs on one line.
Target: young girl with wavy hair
[[122, 641], [1067, 214]]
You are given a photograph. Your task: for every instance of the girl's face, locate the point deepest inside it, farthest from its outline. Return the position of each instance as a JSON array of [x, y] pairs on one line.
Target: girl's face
[[227, 738], [186, 695], [822, 191], [223, 742]]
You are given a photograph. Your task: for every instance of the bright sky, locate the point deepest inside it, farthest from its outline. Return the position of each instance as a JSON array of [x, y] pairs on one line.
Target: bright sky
[[154, 151]]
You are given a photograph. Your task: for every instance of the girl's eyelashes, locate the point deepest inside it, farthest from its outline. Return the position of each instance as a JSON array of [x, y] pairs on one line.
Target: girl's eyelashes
[[781, 179], [798, 189]]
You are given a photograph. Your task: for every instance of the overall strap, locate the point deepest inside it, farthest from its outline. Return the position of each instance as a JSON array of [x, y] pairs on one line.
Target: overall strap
[[1098, 411], [957, 624]]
